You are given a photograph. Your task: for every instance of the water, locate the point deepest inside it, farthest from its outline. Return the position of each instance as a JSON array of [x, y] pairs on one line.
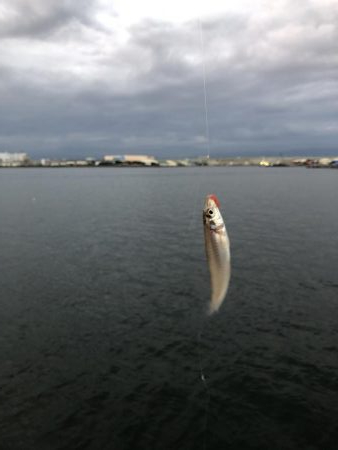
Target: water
[[104, 285]]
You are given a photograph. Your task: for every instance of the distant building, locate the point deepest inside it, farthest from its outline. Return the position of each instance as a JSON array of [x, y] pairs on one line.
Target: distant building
[[265, 163], [65, 163], [299, 161], [325, 161], [210, 162], [142, 160], [169, 163], [13, 159], [113, 159], [184, 162], [91, 161]]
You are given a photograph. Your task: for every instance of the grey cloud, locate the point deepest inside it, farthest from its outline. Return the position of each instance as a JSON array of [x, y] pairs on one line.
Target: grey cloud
[[38, 18], [270, 84]]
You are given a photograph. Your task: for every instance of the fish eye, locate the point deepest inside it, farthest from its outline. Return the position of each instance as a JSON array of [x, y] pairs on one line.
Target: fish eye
[[211, 212]]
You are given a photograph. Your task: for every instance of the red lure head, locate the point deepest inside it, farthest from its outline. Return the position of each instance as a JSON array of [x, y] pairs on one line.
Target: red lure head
[[215, 199]]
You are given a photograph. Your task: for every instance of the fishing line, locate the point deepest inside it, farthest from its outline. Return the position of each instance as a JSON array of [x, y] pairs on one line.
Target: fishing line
[[206, 113], [201, 328], [206, 388], [205, 101]]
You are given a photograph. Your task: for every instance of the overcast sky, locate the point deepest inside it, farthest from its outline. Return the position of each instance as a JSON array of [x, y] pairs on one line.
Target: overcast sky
[[95, 77]]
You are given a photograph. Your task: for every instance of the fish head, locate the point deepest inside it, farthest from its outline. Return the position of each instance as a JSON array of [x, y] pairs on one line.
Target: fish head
[[211, 213]]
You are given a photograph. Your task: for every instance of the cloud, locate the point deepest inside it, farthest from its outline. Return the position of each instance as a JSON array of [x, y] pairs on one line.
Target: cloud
[[38, 18], [74, 81]]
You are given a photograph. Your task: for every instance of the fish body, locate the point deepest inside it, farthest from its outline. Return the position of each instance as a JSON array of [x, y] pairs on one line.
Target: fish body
[[217, 246]]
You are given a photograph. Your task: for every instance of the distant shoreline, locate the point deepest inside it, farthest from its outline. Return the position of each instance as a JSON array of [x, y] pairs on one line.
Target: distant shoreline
[[116, 167], [11, 161]]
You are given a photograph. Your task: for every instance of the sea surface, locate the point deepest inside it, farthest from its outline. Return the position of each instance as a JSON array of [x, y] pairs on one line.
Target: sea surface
[[103, 291]]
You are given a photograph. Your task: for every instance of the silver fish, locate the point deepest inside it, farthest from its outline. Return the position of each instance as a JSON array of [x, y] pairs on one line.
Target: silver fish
[[217, 247]]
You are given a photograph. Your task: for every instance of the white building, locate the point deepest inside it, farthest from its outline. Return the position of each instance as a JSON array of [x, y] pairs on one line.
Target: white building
[[113, 158], [13, 159], [325, 161], [141, 159], [168, 163]]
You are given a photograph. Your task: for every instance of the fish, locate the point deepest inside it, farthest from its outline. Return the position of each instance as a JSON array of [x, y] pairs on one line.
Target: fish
[[217, 248]]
